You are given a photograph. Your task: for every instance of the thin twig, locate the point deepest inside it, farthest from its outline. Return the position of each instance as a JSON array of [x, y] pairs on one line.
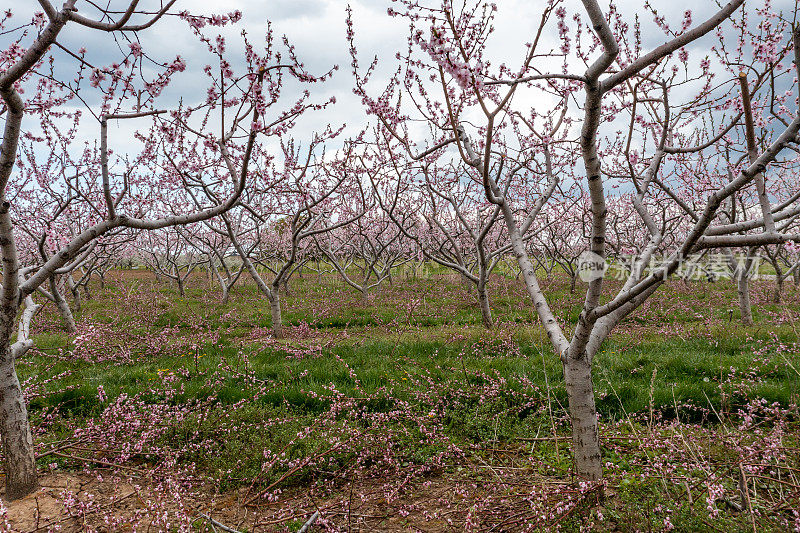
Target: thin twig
[[310, 523], [218, 524]]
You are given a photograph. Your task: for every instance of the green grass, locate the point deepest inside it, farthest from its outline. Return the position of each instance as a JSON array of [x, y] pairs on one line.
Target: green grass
[[683, 356], [673, 371]]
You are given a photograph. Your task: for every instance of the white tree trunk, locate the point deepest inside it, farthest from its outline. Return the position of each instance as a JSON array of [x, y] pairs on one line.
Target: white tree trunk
[[583, 415], [741, 273], [776, 295], [743, 291], [486, 310], [76, 292], [275, 309], [18, 451], [63, 307]]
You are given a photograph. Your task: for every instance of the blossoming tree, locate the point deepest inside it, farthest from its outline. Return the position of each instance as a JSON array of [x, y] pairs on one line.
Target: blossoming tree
[[673, 113], [101, 193]]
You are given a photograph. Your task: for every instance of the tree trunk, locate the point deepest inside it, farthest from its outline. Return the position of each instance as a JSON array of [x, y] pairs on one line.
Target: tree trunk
[[63, 307], [223, 284], [582, 412], [18, 452], [743, 291], [776, 296], [226, 294], [181, 290], [573, 277], [76, 292], [275, 308], [741, 273], [776, 293], [486, 311]]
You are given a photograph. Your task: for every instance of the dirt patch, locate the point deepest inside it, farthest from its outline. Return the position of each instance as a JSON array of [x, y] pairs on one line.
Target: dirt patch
[[91, 501], [497, 500]]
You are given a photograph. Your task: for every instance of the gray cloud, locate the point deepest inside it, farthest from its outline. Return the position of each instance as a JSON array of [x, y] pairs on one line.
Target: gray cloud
[[317, 29]]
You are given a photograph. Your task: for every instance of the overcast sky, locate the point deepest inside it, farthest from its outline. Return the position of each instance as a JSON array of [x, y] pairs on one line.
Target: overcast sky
[[317, 28]]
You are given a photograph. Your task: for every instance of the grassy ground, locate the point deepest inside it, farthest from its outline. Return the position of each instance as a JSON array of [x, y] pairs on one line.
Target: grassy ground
[[434, 423]]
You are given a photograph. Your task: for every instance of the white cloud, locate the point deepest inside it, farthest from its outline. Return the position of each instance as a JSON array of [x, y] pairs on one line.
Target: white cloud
[[317, 29]]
